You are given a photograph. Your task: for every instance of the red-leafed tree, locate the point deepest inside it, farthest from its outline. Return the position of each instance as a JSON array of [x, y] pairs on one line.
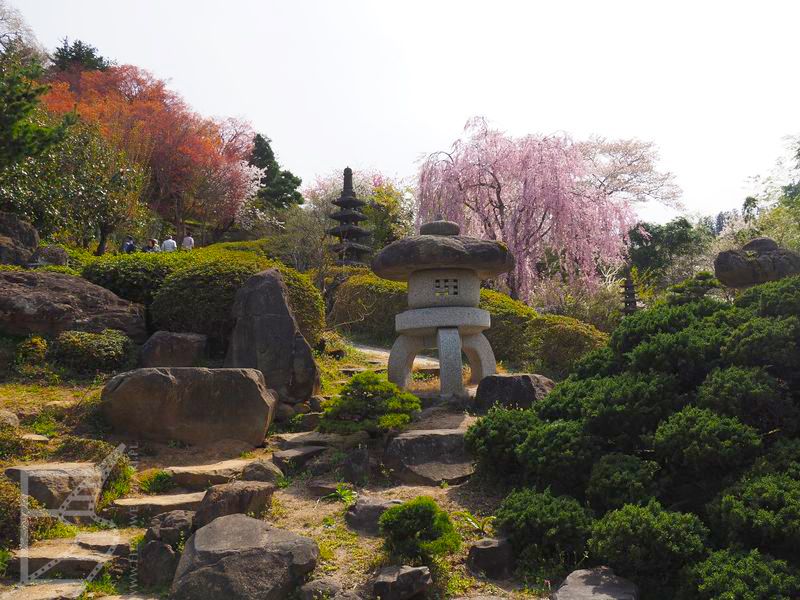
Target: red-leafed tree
[[551, 200], [197, 166]]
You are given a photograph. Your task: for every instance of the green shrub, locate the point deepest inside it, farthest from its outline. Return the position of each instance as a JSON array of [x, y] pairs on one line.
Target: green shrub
[[63, 269], [494, 438], [10, 516], [697, 444], [557, 343], [781, 457], [544, 528], [602, 362], [731, 575], [692, 289], [620, 408], [762, 513], [620, 479], [418, 530], [767, 342], [774, 299], [368, 402], [752, 395], [31, 351], [648, 544], [365, 305], [77, 258], [559, 454], [86, 353], [689, 354], [199, 298], [660, 318], [137, 277]]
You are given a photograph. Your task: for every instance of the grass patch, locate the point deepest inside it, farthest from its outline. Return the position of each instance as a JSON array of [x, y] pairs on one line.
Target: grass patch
[[58, 529], [102, 585], [45, 424], [155, 481], [16, 395], [330, 368]]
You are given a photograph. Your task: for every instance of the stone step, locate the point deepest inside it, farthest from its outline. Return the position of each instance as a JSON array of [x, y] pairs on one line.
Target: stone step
[[286, 441], [149, 506], [64, 557], [112, 540], [200, 477], [294, 459], [45, 590]]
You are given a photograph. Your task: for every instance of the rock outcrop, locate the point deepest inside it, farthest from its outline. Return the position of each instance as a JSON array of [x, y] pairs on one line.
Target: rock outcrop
[[401, 583], [429, 457], [595, 584], [190, 405], [170, 349], [52, 484], [173, 527], [266, 337], [241, 557], [759, 261], [492, 557], [237, 497], [18, 240], [364, 514], [520, 390], [39, 302]]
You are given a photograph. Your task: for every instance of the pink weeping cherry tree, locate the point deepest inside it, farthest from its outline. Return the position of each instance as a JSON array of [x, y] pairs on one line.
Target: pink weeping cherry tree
[[546, 197]]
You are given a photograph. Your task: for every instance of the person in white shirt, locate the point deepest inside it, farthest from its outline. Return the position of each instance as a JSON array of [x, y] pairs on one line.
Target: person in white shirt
[[188, 241], [169, 245]]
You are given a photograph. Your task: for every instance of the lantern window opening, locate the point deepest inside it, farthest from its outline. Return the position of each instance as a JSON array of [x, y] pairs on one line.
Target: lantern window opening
[[445, 287]]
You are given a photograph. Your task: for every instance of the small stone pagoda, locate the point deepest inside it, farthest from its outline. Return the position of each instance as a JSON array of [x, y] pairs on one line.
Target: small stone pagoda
[[444, 272], [349, 250]]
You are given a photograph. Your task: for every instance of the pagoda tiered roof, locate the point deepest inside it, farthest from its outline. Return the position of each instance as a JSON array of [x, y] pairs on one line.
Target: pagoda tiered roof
[[348, 250]]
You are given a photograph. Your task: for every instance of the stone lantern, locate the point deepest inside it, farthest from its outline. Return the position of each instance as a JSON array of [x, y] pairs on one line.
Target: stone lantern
[[444, 271]]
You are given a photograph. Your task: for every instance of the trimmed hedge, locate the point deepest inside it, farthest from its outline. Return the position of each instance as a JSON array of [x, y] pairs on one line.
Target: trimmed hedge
[[199, 298], [365, 305], [620, 479]]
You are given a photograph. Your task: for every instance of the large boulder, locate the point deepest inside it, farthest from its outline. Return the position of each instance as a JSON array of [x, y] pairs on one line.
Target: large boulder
[[18, 240], [169, 349], [493, 557], [190, 405], [599, 583], [520, 390], [156, 564], [266, 337], [429, 457], [759, 261], [238, 497], [241, 557], [39, 302], [401, 583], [172, 528], [52, 484]]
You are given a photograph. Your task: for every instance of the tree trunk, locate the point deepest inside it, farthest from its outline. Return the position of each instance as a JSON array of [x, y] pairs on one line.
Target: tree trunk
[[101, 244]]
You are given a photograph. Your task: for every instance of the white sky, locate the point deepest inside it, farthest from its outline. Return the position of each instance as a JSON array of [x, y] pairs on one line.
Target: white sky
[[379, 84]]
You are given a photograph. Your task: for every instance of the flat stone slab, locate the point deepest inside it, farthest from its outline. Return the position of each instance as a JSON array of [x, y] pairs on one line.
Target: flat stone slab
[[295, 458], [50, 590], [595, 584], [286, 441], [150, 506], [35, 437], [429, 457], [113, 540], [199, 477], [73, 559]]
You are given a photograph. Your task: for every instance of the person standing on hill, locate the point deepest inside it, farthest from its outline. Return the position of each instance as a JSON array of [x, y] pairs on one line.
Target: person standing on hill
[[188, 241], [169, 245], [152, 246]]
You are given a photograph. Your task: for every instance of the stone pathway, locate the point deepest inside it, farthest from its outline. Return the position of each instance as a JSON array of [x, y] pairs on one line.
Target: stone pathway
[[422, 364], [147, 506]]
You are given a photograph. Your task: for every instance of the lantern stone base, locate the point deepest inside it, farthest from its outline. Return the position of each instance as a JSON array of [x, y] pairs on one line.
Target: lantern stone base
[[450, 342]]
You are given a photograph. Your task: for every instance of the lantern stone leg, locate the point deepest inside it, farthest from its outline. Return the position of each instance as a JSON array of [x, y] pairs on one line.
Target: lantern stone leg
[[480, 356], [401, 358], [448, 342]]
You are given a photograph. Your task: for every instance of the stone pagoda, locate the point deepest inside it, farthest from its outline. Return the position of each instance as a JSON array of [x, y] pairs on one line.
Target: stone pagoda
[[349, 250], [444, 271]]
